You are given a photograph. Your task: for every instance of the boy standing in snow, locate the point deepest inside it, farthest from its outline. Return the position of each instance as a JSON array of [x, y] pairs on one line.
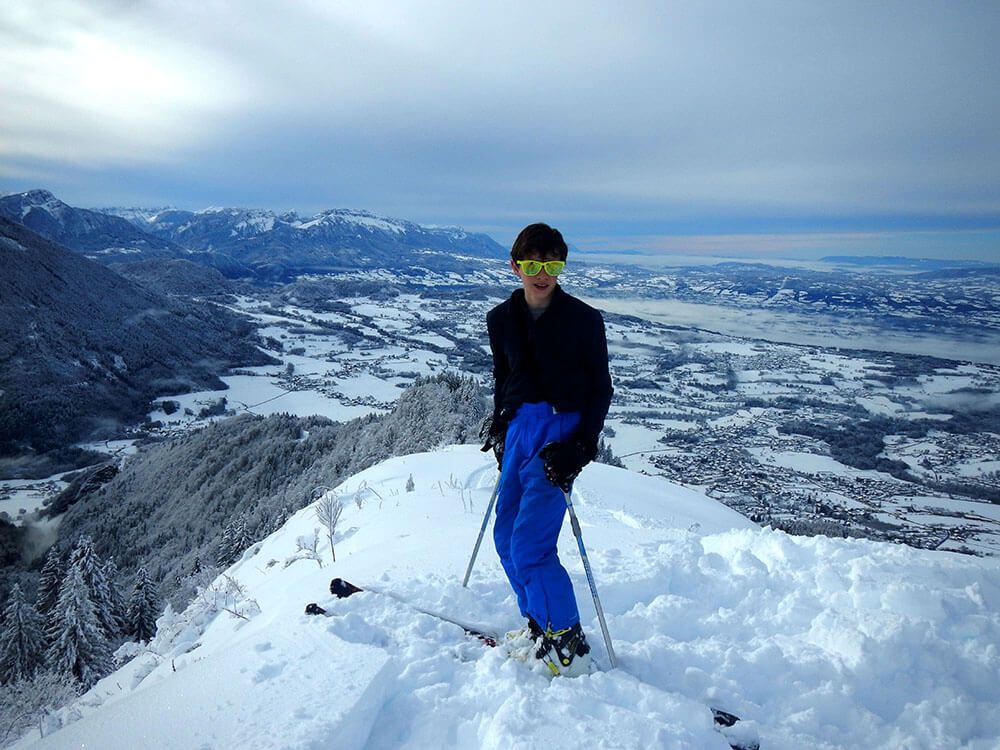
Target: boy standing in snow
[[553, 389]]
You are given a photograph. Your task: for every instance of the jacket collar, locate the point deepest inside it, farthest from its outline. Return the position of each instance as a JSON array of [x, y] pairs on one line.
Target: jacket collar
[[521, 305]]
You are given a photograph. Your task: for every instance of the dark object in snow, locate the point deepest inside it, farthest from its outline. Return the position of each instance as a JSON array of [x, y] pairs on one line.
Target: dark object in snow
[[725, 720], [343, 589]]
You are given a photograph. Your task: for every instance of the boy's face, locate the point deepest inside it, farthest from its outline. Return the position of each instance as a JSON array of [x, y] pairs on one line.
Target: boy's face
[[538, 289]]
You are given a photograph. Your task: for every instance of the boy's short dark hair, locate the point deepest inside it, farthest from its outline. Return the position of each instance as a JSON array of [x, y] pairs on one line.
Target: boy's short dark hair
[[541, 241]]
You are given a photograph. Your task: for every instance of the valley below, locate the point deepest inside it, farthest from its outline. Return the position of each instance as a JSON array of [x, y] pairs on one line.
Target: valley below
[[822, 433]]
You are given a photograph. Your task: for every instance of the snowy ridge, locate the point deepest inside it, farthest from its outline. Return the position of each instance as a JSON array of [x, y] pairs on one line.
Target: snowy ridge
[[138, 216], [21, 204], [44, 200], [363, 219], [820, 643]]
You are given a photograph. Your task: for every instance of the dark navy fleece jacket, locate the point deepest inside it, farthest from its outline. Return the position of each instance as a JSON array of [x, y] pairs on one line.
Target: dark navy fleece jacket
[[561, 358]]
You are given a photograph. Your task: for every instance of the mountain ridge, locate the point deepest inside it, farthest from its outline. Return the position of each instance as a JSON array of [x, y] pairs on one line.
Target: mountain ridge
[[250, 243], [98, 346], [89, 232]]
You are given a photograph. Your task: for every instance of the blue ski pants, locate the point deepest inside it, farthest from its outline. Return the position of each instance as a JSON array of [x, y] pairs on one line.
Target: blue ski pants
[[529, 515]]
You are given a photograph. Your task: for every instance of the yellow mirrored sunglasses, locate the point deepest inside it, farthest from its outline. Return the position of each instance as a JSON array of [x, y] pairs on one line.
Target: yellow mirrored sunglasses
[[532, 267]]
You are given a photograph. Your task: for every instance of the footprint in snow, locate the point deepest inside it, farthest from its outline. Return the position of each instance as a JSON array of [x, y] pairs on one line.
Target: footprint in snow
[[268, 672]]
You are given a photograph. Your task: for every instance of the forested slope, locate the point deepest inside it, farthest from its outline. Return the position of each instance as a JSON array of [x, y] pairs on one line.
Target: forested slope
[[170, 506]]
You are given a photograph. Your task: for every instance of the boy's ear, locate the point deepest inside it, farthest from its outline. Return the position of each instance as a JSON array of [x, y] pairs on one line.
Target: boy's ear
[[513, 266]]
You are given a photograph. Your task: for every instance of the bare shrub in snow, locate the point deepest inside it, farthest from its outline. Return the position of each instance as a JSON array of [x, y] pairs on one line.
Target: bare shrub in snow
[[328, 510], [226, 594], [33, 702], [306, 548]]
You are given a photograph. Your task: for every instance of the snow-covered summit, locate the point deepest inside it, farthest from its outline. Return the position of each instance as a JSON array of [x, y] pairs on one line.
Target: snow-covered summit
[[95, 233], [138, 216], [819, 643], [245, 223], [38, 199], [357, 218]]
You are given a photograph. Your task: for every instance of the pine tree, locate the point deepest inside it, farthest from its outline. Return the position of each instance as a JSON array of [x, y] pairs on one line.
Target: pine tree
[[49, 583], [606, 456], [79, 645], [244, 539], [143, 608], [235, 539], [98, 586], [118, 605], [22, 642], [277, 520], [224, 557]]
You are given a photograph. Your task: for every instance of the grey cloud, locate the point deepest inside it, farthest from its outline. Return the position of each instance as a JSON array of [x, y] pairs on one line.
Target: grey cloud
[[668, 108]]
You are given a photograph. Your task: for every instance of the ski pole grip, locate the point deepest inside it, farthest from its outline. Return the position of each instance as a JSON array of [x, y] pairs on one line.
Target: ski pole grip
[[576, 525]]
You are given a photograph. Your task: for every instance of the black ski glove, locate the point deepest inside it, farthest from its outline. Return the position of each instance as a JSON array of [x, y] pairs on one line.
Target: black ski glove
[[494, 430], [563, 462]]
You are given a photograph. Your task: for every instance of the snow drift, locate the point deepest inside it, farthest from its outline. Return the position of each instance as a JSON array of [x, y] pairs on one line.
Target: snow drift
[[816, 642]]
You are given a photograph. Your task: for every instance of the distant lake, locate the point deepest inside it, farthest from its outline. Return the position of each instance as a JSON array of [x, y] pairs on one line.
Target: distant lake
[[810, 330]]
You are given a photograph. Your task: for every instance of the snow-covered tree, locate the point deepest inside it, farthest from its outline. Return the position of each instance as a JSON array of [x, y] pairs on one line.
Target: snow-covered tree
[[143, 608], [235, 539], [49, 583], [172, 502], [92, 568], [277, 520], [118, 604], [32, 701], [79, 645], [22, 642], [606, 456]]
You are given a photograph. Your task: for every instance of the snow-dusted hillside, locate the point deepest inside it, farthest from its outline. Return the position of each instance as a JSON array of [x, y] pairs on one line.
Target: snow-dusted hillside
[[819, 643]]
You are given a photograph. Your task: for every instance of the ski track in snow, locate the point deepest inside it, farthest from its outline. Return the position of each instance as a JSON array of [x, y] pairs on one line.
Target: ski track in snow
[[816, 642]]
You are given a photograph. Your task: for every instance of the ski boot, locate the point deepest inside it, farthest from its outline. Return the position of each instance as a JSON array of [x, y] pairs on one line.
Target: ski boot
[[565, 652]]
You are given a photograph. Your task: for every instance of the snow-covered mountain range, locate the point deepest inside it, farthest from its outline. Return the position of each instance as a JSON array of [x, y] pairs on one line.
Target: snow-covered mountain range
[[814, 642], [256, 244]]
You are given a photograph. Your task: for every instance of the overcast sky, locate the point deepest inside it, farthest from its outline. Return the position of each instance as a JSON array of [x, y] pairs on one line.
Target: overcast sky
[[793, 128]]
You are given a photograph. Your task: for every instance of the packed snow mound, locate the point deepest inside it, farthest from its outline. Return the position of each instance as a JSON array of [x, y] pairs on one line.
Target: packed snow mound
[[815, 642]]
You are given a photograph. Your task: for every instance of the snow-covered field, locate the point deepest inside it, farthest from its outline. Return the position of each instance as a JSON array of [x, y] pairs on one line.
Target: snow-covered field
[[19, 497], [705, 410], [815, 642]]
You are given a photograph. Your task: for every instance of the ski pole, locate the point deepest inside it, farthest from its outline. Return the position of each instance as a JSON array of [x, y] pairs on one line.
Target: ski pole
[[590, 578], [482, 531]]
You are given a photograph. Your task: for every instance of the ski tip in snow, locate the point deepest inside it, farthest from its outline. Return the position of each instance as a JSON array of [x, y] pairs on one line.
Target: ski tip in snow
[[343, 589], [738, 733], [724, 718]]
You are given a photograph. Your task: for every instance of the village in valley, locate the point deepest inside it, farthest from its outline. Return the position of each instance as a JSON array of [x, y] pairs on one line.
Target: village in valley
[[809, 439]]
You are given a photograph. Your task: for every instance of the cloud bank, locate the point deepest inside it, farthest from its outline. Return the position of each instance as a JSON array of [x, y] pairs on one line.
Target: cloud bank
[[672, 118]]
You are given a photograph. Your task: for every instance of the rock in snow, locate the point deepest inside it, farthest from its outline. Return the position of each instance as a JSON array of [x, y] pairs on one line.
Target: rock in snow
[[820, 643]]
